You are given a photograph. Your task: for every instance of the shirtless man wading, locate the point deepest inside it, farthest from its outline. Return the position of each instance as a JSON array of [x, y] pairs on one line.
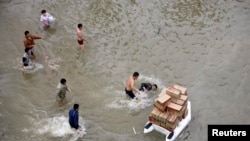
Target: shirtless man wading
[[80, 37], [130, 85]]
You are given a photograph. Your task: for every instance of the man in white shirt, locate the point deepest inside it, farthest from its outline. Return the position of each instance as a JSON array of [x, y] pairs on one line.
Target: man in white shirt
[[45, 19]]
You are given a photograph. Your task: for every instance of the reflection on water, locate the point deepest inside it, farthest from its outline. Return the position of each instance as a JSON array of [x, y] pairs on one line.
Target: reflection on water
[[202, 45]]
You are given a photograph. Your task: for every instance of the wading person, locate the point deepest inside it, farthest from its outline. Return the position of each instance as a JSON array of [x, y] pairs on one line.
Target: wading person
[[130, 86], [74, 117], [62, 89], [29, 43], [46, 19], [80, 38], [146, 87], [26, 64]]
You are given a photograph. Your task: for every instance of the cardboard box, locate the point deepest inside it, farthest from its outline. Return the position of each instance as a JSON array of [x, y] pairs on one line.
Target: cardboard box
[[174, 107], [171, 118], [164, 90], [163, 125], [163, 117], [155, 113], [181, 113], [172, 122], [179, 102], [150, 118], [174, 93], [185, 113], [159, 107], [184, 97], [181, 88], [162, 101], [171, 127], [156, 122]]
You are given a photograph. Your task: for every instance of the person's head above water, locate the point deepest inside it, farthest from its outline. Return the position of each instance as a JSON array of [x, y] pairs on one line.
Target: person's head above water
[[154, 87], [76, 106], [63, 81], [43, 12], [136, 75], [26, 33], [79, 26]]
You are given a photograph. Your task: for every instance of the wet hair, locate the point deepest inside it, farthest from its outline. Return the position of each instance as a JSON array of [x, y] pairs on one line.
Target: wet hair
[[155, 86], [76, 106], [26, 32], [43, 11], [135, 74], [63, 81], [79, 25], [26, 50]]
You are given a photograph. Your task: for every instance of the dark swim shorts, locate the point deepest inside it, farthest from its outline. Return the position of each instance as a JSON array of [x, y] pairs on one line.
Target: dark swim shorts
[[130, 94], [80, 42]]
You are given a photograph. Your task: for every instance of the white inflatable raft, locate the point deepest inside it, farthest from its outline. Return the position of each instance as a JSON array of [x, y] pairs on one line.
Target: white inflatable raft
[[170, 136]]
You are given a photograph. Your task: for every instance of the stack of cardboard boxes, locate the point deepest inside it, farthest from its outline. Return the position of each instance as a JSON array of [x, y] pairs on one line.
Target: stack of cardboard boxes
[[170, 107]]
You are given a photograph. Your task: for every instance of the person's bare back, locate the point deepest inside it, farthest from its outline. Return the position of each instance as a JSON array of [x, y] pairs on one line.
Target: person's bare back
[[130, 83]]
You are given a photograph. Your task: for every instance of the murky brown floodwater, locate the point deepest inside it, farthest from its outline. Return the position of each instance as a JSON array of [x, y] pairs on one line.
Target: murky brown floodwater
[[203, 45]]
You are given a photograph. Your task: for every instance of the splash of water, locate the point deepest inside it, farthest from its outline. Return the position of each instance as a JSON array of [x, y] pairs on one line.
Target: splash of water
[[124, 102], [152, 80], [58, 126], [146, 99], [37, 67]]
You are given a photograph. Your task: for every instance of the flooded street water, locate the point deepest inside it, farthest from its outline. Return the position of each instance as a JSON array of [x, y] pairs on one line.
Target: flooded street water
[[202, 45]]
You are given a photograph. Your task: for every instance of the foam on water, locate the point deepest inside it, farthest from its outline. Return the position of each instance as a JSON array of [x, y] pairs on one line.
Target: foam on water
[[123, 101], [36, 67], [57, 126], [53, 64]]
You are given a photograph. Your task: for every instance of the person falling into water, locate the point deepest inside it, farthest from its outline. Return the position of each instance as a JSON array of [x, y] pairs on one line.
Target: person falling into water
[[26, 64], [62, 89], [130, 86], [146, 87], [29, 43], [80, 38]]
